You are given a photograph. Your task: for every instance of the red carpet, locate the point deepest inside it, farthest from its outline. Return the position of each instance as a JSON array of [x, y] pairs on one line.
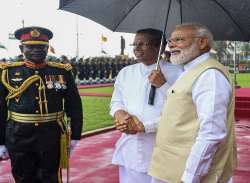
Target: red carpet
[[242, 173], [95, 85], [95, 94], [90, 162], [242, 103]]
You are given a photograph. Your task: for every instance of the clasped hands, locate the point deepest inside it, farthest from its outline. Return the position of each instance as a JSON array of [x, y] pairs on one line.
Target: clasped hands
[[129, 124]]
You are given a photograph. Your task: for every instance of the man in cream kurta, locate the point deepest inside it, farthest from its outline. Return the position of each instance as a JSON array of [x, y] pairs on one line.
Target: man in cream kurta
[[195, 140], [130, 99]]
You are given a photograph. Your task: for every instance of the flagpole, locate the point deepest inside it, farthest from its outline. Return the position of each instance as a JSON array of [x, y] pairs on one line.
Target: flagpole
[[77, 38], [23, 23], [234, 57], [102, 44]]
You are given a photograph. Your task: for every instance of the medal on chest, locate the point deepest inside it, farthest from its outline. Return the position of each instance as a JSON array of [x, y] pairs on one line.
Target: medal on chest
[[49, 82], [57, 83], [17, 77], [62, 82]]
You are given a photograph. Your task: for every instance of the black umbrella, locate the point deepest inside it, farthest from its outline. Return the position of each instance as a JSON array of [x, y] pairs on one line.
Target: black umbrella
[[227, 19]]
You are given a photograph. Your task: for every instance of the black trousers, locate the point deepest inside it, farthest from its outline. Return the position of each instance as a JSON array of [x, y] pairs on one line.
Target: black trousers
[[36, 167], [34, 152]]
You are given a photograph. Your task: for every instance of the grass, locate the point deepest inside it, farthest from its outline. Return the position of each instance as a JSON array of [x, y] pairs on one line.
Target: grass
[[96, 113], [98, 90], [243, 80]]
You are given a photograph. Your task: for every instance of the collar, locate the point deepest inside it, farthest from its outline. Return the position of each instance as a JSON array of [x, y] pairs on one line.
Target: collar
[[197, 61], [146, 69], [32, 65]]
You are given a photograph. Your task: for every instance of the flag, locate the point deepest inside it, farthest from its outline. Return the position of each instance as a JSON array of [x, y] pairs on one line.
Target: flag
[[2, 46], [104, 38], [52, 49]]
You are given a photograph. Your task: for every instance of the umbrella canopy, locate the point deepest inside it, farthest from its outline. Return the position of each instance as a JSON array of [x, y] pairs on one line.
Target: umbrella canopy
[[227, 19]]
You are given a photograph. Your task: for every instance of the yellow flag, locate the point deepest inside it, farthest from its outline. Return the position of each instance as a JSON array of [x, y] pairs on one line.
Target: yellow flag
[[104, 38]]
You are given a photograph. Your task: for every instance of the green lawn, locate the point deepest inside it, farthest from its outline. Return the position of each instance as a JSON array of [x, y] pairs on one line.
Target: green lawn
[[98, 90], [96, 112], [243, 80]]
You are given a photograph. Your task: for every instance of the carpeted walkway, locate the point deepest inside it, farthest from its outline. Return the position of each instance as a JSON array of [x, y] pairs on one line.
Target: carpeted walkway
[[95, 94], [242, 173], [242, 103], [95, 85], [90, 162]]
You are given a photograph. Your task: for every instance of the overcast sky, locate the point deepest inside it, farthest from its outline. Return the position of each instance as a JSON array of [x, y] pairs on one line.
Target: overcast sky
[[45, 13]]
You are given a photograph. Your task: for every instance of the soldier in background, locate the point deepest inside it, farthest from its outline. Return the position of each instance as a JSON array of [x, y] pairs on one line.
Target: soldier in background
[[81, 69], [37, 94]]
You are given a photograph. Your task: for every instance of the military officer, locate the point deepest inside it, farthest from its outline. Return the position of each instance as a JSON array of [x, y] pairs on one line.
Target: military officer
[[35, 97]]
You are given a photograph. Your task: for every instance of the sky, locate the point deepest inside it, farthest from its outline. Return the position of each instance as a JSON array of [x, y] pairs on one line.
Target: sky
[[63, 24]]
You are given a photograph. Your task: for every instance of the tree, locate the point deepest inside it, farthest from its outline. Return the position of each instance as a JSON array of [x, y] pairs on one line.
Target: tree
[[221, 50]]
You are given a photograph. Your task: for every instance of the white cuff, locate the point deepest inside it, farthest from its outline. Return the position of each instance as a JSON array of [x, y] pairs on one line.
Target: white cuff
[[115, 108], [150, 128]]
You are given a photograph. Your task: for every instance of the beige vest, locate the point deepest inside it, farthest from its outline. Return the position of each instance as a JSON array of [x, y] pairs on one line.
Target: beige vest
[[178, 129]]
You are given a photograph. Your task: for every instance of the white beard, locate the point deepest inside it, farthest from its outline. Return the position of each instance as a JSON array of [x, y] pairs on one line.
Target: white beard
[[185, 55]]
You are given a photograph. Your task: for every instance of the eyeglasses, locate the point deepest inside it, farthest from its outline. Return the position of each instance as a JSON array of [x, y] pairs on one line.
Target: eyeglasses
[[179, 40], [140, 44]]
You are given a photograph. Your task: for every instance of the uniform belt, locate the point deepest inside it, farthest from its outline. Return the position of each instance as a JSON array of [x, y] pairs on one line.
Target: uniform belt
[[35, 118]]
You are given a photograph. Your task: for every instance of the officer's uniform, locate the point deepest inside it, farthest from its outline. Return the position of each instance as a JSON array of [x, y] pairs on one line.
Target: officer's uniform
[[36, 97]]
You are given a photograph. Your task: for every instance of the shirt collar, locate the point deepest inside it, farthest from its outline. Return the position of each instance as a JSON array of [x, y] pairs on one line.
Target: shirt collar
[[197, 61], [33, 65], [146, 69]]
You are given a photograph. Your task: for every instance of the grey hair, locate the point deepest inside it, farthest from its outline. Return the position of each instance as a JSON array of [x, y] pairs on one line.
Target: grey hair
[[201, 31]]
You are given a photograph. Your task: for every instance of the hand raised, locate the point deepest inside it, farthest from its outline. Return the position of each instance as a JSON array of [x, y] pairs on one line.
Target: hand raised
[[156, 78]]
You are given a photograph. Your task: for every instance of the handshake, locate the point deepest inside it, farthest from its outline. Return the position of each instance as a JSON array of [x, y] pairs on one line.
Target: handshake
[[127, 123]]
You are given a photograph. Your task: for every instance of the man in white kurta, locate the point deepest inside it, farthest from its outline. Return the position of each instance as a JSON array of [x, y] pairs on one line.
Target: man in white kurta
[[211, 94], [130, 97]]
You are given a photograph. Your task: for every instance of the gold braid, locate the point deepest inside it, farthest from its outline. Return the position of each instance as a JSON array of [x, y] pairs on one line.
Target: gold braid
[[14, 92]]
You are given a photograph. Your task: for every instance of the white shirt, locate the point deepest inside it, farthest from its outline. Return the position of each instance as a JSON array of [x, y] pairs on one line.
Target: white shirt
[[211, 94], [131, 91]]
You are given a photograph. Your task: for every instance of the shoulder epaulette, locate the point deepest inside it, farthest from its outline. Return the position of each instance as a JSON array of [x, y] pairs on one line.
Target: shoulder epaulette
[[10, 64], [67, 67]]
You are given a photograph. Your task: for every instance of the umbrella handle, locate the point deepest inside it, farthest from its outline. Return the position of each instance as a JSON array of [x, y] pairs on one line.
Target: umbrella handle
[[151, 96]]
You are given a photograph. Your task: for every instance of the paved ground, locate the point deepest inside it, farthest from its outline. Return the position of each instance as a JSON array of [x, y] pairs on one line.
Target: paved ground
[[90, 162]]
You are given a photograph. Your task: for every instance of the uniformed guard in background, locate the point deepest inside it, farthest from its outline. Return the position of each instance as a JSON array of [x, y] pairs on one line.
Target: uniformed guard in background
[[34, 99]]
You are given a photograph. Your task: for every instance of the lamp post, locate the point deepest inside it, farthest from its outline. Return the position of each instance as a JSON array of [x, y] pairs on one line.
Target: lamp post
[[77, 38], [234, 57]]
